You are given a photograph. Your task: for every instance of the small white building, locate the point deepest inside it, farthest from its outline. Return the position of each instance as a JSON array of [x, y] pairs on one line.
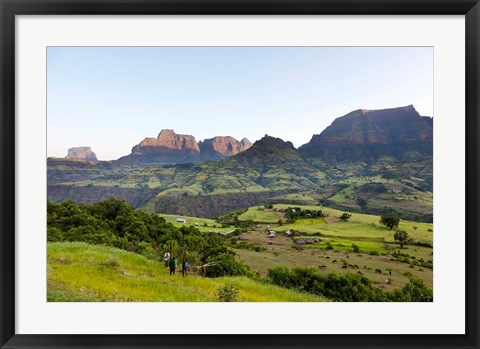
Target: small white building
[[226, 232], [181, 220]]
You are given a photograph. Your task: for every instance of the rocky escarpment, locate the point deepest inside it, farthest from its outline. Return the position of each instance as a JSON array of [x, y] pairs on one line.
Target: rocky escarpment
[[172, 148], [220, 147], [81, 153], [368, 135], [167, 142]]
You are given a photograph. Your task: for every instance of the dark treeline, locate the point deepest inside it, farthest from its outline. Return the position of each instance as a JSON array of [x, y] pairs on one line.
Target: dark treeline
[[346, 288]]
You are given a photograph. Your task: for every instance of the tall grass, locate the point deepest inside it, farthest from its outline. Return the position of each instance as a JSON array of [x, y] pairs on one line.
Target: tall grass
[[83, 272]]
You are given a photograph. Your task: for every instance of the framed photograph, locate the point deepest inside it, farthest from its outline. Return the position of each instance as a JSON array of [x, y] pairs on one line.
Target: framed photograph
[[239, 174]]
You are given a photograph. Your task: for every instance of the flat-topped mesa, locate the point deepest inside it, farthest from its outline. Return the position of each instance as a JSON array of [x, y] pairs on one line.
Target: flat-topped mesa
[[222, 146], [167, 142], [81, 153]]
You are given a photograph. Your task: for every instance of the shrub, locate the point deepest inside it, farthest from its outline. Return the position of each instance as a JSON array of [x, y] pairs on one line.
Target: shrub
[[401, 236], [329, 246], [227, 293], [355, 248], [227, 266]]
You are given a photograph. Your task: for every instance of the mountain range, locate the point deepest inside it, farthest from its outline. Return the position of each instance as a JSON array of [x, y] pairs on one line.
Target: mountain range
[[366, 160], [359, 136]]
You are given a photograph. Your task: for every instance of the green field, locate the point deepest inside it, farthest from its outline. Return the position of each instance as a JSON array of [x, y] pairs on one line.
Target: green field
[[79, 272], [358, 226], [375, 242]]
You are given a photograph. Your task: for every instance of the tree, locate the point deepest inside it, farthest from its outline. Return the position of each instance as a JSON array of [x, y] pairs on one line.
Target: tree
[[390, 220], [401, 236], [355, 248], [345, 217], [362, 202]]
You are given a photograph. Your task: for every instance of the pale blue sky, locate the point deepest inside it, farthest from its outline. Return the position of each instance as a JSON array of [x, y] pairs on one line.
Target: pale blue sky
[[112, 98]]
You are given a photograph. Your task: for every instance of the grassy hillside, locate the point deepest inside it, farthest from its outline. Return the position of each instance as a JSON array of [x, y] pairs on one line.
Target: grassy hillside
[[94, 273], [359, 225], [257, 176]]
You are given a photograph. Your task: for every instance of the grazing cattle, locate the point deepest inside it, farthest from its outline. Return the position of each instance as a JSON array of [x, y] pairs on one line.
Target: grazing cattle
[[327, 257], [378, 271], [350, 266], [359, 272], [344, 267], [321, 266], [334, 261], [364, 267], [356, 266]]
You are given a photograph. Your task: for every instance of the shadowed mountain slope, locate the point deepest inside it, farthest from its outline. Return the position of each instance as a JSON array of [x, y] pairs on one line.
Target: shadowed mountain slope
[[369, 135]]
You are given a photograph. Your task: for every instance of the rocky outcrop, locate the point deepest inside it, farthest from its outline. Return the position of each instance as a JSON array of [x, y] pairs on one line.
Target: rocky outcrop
[[246, 143], [220, 147], [81, 153], [368, 135], [167, 142], [172, 148]]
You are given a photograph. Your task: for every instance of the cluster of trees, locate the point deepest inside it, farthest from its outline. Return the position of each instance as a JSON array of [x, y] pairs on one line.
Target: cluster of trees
[[294, 213], [116, 223], [346, 288], [391, 221]]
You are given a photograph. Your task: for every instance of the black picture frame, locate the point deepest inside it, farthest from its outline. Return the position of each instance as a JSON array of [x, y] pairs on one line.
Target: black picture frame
[[10, 8]]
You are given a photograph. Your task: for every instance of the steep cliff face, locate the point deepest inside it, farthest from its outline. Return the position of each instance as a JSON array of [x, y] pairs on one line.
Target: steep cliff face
[[167, 142], [220, 147], [81, 153], [172, 148], [367, 135]]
